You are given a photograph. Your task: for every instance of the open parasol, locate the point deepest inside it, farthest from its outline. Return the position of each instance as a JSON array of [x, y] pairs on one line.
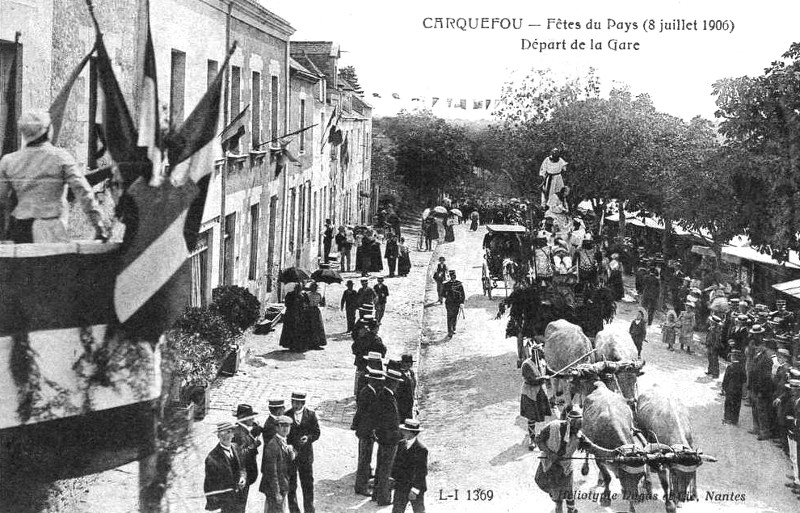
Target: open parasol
[[456, 212], [440, 210], [293, 275], [426, 213], [326, 276]]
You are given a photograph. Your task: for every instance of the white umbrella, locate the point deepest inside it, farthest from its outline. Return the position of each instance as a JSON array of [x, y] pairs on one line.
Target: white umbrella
[[457, 212], [440, 210], [426, 213]]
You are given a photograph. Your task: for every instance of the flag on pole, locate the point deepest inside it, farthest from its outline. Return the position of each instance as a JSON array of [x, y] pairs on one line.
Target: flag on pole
[[149, 113], [331, 122], [59, 105], [230, 134], [114, 122]]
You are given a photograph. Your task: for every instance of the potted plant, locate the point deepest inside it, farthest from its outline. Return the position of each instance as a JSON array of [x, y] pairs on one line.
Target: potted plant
[[240, 309]]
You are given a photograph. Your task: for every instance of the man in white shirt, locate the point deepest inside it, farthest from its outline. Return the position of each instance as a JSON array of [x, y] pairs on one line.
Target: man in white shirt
[[551, 169]]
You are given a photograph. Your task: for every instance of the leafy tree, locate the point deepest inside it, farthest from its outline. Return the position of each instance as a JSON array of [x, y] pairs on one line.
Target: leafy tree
[[430, 153], [349, 73], [761, 122]]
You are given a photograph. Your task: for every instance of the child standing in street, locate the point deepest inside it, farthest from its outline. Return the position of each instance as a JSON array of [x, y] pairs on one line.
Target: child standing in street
[[638, 331]]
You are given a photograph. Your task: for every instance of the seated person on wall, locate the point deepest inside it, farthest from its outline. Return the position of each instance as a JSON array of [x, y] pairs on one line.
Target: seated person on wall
[[36, 175]]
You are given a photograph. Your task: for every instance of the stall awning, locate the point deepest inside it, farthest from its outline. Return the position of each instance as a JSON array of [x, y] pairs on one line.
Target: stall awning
[[702, 250], [789, 287]]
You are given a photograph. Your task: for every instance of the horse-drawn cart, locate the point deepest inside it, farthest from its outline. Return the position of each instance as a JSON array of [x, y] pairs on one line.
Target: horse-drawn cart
[[502, 246]]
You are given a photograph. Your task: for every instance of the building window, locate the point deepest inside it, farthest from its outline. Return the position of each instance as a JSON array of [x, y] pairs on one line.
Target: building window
[[308, 208], [236, 91], [229, 240], [302, 125], [254, 214], [177, 87], [315, 216], [273, 215], [212, 68], [255, 115], [292, 206], [201, 269], [273, 109], [302, 225]]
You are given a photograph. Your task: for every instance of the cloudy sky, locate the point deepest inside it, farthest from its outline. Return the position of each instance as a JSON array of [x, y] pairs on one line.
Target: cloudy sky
[[394, 52]]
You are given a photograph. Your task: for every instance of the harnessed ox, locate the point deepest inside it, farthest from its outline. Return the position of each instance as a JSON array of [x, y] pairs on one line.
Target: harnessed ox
[[608, 421], [665, 420], [565, 344]]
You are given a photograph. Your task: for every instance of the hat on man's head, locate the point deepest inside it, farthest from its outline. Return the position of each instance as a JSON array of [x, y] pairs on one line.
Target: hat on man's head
[[407, 358], [393, 374], [276, 403], [224, 426], [393, 364], [411, 425], [376, 374], [784, 352], [451, 272], [742, 318], [794, 384], [757, 329], [283, 420], [380, 278], [373, 355], [716, 319], [368, 317], [244, 410], [364, 279], [299, 396], [33, 124], [794, 373]]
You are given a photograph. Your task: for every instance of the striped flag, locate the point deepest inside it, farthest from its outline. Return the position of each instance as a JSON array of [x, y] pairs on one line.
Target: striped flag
[[10, 123], [149, 116]]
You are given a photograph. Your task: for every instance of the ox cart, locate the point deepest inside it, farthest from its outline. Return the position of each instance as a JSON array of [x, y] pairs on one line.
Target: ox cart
[[502, 246]]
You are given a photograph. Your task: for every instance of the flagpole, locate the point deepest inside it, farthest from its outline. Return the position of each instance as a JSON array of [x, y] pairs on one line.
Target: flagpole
[[223, 177], [90, 6]]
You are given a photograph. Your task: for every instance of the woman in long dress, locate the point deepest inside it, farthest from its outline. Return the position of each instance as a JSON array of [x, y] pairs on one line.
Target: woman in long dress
[[615, 277], [449, 236], [291, 335], [404, 260], [311, 318]]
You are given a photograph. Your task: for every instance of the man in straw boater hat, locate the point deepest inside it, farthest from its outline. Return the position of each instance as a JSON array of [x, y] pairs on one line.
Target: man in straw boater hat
[[366, 294], [558, 441], [36, 176], [454, 297], [246, 436], [364, 424], [278, 456], [304, 432], [732, 384], [387, 435], [225, 474], [762, 389], [276, 408], [410, 470]]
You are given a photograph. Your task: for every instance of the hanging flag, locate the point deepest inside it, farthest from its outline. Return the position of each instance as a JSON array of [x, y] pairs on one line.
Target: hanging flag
[[434, 100], [488, 102], [331, 122], [149, 113], [395, 96], [115, 125], [477, 104], [376, 95], [414, 99], [462, 104], [10, 131], [234, 131], [59, 105]]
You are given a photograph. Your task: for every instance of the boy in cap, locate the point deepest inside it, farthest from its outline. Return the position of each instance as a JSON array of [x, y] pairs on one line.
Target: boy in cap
[[439, 277], [410, 470], [224, 470], [36, 176], [304, 432], [246, 437], [350, 304], [364, 424], [278, 456], [732, 383], [387, 435]]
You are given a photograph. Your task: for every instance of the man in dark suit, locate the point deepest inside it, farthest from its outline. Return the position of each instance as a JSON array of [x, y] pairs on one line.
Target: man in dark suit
[[364, 426], [304, 432], [276, 408], [226, 476], [407, 388], [246, 437], [275, 464], [410, 470], [453, 292], [381, 294], [387, 434]]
